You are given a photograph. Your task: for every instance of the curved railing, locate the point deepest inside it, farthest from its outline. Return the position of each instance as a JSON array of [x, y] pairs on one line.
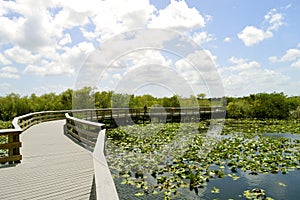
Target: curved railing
[[83, 124], [85, 127], [11, 148]]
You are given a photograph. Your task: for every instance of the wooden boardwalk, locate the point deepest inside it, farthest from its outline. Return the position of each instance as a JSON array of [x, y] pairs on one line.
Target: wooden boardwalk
[[53, 167]]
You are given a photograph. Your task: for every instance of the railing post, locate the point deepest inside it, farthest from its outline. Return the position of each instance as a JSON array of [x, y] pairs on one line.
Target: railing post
[[14, 151]]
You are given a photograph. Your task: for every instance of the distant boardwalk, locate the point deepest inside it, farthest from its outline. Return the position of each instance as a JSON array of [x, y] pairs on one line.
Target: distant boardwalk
[[53, 167]]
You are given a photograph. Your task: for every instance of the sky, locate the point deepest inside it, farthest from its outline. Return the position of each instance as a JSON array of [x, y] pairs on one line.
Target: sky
[[253, 46]]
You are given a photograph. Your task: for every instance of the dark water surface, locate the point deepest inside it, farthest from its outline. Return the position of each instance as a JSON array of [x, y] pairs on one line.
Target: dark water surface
[[277, 186], [233, 189]]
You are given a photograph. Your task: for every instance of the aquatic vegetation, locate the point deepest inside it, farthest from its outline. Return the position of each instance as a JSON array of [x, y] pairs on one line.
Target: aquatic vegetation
[[166, 158], [256, 193], [251, 126]]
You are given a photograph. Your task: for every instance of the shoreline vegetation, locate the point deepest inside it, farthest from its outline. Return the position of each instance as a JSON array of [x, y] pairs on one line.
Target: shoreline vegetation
[[255, 106], [175, 168]]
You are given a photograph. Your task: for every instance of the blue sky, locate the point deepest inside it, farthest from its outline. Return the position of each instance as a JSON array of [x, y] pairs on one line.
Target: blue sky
[[255, 44]]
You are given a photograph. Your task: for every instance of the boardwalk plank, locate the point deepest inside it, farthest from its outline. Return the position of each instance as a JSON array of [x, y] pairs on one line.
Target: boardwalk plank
[[53, 167]]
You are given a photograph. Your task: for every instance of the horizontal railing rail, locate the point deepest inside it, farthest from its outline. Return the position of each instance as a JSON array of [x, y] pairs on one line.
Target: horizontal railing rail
[[10, 143], [10, 146], [84, 125], [84, 131], [100, 114]]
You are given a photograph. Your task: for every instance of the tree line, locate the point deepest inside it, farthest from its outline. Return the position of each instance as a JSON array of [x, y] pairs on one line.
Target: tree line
[[262, 105]]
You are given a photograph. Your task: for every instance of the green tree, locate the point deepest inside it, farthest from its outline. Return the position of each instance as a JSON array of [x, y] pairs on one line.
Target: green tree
[[272, 105], [66, 99], [83, 98], [238, 109]]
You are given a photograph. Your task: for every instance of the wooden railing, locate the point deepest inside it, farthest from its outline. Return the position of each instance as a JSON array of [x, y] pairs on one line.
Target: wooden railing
[[10, 149], [84, 131], [26, 121], [11, 144], [83, 124]]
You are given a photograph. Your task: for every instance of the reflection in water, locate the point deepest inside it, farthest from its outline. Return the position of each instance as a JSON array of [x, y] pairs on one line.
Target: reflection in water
[[283, 135], [276, 186], [234, 189]]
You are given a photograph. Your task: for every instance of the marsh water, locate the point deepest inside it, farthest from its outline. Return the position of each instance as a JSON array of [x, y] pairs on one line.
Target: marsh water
[[233, 189], [276, 185]]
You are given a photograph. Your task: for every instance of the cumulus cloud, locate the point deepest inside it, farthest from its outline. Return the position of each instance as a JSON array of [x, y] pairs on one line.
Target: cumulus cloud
[[41, 30], [291, 55], [203, 74], [244, 77], [9, 72], [252, 35], [274, 19], [49, 69], [202, 37], [236, 60], [4, 60], [296, 64], [113, 17], [21, 55], [178, 16], [62, 64], [241, 64], [142, 58], [227, 39], [66, 39]]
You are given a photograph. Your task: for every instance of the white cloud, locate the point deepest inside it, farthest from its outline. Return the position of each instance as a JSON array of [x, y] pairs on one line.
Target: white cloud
[[274, 19], [296, 64], [245, 66], [142, 58], [178, 16], [227, 39], [66, 39], [246, 77], [117, 76], [12, 27], [76, 55], [21, 55], [290, 55], [9, 72], [272, 59], [203, 72], [202, 37], [251, 35], [62, 64], [126, 15], [241, 64], [236, 60], [4, 60], [68, 17], [9, 69], [49, 69]]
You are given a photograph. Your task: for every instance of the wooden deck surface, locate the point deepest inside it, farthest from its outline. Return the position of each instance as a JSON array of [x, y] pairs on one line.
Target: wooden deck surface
[[53, 167]]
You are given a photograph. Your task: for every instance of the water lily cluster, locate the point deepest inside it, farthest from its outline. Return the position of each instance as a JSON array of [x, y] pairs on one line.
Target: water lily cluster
[[165, 159]]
